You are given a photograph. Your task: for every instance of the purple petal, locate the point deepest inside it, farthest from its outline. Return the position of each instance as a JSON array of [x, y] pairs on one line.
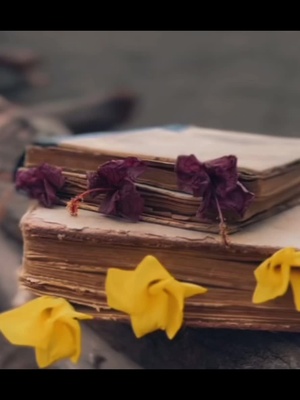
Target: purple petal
[[130, 204], [112, 174], [96, 180], [26, 179], [38, 193], [214, 179], [223, 174], [134, 167], [108, 175], [48, 196], [207, 209], [126, 202], [233, 205], [110, 203], [41, 183], [237, 201], [191, 176], [53, 175]]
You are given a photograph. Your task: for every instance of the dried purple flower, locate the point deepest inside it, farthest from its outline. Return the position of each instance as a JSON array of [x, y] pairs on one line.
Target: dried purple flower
[[113, 174], [191, 175], [214, 179], [125, 202], [116, 179], [41, 183], [217, 183]]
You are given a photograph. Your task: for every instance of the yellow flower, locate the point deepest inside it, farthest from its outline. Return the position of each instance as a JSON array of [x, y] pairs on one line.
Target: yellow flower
[[48, 324], [275, 274], [150, 295]]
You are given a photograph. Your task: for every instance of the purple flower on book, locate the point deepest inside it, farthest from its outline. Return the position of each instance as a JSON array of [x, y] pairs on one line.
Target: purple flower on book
[[216, 182], [41, 183], [116, 178]]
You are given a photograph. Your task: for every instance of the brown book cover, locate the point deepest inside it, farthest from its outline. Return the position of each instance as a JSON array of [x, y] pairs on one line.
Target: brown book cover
[[69, 257]]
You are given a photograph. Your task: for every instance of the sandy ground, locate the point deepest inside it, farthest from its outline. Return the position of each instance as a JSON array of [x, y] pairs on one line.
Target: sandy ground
[[246, 81]]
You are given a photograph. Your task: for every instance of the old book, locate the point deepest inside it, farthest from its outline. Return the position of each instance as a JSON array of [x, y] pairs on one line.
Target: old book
[[268, 166], [69, 257]]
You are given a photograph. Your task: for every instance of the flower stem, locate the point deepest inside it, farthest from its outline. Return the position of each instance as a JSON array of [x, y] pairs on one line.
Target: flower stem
[[222, 225], [73, 204]]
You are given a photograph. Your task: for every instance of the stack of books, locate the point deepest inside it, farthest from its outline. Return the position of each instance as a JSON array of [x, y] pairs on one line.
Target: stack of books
[[69, 256]]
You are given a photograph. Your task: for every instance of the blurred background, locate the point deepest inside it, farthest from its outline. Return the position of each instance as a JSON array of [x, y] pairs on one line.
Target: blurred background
[[239, 80], [235, 80]]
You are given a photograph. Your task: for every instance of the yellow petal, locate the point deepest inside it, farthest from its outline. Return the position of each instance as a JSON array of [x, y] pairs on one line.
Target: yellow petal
[[118, 281], [191, 289], [48, 324], [150, 295], [154, 316], [133, 285], [295, 284], [163, 310], [273, 276], [65, 342], [26, 326], [178, 292], [175, 317], [66, 310], [157, 286], [296, 260]]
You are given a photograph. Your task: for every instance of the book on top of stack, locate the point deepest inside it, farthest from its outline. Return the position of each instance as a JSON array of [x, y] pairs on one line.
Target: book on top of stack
[[268, 169]]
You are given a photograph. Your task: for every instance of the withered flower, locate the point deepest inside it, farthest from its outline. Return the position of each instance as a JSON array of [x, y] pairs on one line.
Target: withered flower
[[217, 182], [116, 180], [41, 183], [113, 174]]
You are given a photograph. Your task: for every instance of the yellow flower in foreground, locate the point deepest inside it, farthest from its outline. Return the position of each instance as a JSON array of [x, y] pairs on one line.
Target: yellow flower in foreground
[[275, 274], [150, 295], [49, 325]]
